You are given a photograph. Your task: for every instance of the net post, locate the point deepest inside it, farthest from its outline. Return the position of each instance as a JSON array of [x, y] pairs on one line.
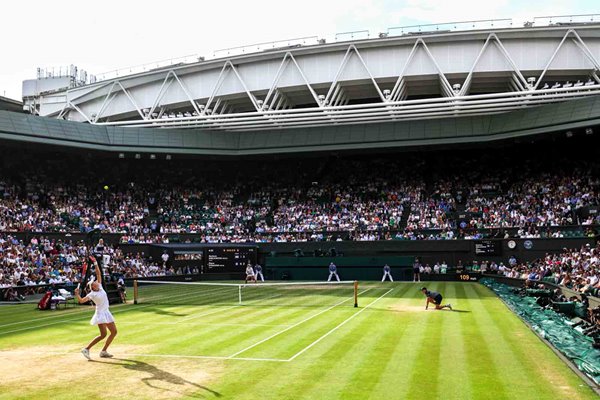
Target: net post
[[355, 293], [240, 294], [135, 291]]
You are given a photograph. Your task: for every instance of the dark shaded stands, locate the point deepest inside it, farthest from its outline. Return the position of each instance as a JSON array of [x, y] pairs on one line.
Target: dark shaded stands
[[506, 167]]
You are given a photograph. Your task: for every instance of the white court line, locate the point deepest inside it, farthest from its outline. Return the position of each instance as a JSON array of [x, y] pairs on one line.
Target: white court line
[[295, 325], [338, 326], [76, 353], [195, 324], [208, 357]]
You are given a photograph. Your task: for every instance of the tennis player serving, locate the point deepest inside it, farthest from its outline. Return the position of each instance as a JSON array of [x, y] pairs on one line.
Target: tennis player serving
[[435, 298], [102, 317]]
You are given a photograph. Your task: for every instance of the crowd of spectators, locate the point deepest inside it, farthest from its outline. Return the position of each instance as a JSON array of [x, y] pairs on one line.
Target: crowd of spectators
[[546, 200], [43, 261], [362, 198], [577, 269]]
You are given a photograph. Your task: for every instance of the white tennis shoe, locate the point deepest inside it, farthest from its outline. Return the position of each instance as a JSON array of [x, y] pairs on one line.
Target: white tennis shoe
[[86, 353], [105, 354]]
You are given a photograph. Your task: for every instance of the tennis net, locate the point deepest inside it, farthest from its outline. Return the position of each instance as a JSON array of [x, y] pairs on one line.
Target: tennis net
[[278, 293]]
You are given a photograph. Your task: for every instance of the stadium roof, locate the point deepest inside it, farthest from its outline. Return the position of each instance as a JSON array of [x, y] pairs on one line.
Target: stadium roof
[[562, 117]]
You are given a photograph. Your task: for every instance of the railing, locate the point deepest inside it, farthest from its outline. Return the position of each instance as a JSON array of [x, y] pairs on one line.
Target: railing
[[353, 35], [567, 19], [265, 46], [167, 62], [419, 29], [450, 26]]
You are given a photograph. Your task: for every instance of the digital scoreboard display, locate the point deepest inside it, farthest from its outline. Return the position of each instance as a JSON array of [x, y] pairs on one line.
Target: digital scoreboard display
[[229, 259], [488, 247]]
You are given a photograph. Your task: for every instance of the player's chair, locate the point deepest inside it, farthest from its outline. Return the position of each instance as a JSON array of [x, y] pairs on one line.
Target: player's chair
[[66, 294], [63, 298]]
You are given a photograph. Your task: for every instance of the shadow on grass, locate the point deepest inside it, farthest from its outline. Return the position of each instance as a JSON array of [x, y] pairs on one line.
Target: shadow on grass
[[160, 311], [413, 309], [157, 375]]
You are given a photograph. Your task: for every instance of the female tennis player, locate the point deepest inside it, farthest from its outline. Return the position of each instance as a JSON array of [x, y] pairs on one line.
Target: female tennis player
[[435, 298], [102, 317]]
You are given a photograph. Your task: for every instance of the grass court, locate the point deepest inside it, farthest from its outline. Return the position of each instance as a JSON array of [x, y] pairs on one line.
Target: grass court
[[387, 348]]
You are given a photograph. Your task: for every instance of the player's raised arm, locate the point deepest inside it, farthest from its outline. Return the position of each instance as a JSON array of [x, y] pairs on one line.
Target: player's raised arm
[[97, 268], [79, 299]]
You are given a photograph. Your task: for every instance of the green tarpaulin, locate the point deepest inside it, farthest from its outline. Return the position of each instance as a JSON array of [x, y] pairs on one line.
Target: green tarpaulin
[[554, 327]]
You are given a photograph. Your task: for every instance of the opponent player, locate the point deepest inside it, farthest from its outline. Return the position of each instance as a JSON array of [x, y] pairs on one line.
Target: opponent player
[[250, 274], [386, 273], [102, 317], [435, 298]]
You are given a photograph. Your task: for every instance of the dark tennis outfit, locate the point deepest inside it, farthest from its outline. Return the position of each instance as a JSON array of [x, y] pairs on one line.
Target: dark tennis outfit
[[437, 298], [416, 268]]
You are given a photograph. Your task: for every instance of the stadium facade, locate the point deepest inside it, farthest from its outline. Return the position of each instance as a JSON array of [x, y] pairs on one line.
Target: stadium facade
[[415, 88]]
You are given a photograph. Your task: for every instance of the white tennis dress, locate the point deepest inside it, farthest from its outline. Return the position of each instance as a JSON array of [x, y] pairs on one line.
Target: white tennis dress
[[102, 315]]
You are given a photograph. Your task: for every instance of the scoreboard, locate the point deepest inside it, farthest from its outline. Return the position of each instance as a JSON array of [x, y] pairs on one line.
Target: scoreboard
[[488, 247], [229, 259]]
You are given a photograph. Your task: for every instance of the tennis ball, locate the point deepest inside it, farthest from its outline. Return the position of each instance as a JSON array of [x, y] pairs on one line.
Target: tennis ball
[[105, 187]]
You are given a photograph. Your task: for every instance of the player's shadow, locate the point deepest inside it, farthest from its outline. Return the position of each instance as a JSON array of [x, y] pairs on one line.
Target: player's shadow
[[454, 310], [158, 375], [160, 311]]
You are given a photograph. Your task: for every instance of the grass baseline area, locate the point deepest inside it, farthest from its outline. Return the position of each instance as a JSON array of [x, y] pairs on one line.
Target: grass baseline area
[[303, 346]]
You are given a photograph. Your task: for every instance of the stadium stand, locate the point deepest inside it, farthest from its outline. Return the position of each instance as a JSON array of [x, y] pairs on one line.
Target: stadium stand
[[529, 191], [43, 261], [383, 198]]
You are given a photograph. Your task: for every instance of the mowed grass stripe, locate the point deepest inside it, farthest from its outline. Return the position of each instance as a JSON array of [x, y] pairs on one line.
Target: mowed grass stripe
[[31, 331], [28, 314], [256, 310], [312, 368], [295, 339], [304, 324], [290, 316], [556, 377], [65, 331], [233, 340], [426, 367], [394, 381], [86, 314], [138, 313], [452, 349], [479, 365], [354, 341], [376, 358], [266, 379], [207, 340], [521, 341], [507, 357], [202, 341]]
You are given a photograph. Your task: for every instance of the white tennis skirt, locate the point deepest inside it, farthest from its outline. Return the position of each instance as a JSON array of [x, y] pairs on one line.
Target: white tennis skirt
[[102, 317]]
